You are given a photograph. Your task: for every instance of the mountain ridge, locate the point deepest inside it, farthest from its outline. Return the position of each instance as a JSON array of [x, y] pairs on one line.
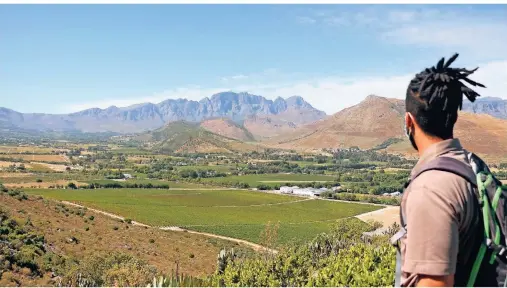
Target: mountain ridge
[[147, 116], [494, 106]]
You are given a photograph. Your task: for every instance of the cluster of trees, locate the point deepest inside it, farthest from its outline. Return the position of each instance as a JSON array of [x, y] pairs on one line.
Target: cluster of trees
[[190, 173], [269, 168], [223, 182], [118, 185], [356, 156], [287, 167], [113, 175], [373, 182], [368, 188], [385, 200]]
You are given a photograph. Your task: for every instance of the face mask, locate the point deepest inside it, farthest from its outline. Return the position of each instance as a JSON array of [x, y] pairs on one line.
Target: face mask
[[410, 137]]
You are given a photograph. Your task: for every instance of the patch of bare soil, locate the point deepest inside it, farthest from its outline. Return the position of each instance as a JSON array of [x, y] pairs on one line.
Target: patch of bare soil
[[387, 216]]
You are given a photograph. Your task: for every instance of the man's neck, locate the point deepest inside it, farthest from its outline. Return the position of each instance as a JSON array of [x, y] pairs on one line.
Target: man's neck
[[426, 142]]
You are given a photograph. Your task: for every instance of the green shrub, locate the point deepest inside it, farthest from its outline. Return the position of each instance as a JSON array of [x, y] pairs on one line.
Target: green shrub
[[340, 258], [91, 217], [263, 187], [109, 270]]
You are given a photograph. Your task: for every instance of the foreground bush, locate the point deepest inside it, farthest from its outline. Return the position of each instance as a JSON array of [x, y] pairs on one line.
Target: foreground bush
[[23, 253], [341, 258], [111, 270]]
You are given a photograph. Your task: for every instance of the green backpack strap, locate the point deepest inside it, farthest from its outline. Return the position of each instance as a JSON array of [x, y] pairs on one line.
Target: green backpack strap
[[485, 179], [485, 215]]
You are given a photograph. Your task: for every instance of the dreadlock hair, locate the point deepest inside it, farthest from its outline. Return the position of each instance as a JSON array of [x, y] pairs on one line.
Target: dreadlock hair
[[435, 95]]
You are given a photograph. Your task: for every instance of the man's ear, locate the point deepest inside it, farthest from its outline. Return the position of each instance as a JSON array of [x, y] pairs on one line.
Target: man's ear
[[409, 121]]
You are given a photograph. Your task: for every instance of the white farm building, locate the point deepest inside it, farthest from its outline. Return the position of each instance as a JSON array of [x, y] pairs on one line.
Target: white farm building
[[307, 191], [302, 191], [287, 189]]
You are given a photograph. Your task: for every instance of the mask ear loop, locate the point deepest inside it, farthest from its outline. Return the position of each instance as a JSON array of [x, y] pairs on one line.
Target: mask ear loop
[[406, 129]]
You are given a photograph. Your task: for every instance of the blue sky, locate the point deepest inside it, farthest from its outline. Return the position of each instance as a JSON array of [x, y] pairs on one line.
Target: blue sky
[[64, 58]]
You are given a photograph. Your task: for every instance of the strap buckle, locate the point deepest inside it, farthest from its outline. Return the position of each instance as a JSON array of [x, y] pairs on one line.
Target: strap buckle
[[499, 251], [396, 237]]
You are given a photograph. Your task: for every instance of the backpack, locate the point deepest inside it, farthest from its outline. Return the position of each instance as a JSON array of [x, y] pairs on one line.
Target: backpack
[[492, 198]]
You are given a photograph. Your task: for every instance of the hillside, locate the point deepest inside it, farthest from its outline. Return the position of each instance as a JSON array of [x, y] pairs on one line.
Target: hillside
[[265, 127], [148, 116], [365, 125], [227, 128], [377, 122], [186, 137], [70, 237]]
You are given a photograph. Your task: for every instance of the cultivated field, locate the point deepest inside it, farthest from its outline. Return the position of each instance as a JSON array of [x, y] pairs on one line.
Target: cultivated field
[[238, 214], [52, 167], [23, 149], [37, 157]]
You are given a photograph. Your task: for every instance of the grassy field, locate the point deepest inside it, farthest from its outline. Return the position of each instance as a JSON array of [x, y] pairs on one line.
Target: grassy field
[[239, 214]]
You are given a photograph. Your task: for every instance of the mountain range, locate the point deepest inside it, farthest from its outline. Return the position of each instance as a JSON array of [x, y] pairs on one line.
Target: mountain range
[[493, 106], [233, 121], [239, 107]]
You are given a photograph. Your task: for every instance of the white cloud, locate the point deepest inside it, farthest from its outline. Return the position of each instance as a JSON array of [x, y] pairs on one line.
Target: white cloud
[[463, 30], [400, 16], [476, 38], [329, 94], [306, 20], [234, 77]]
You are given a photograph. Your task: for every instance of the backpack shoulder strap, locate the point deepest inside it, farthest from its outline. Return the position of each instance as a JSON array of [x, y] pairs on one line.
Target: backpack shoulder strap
[[446, 164], [450, 165]]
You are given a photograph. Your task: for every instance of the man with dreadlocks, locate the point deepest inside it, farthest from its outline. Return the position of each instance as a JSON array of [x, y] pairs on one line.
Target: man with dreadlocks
[[440, 213]]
